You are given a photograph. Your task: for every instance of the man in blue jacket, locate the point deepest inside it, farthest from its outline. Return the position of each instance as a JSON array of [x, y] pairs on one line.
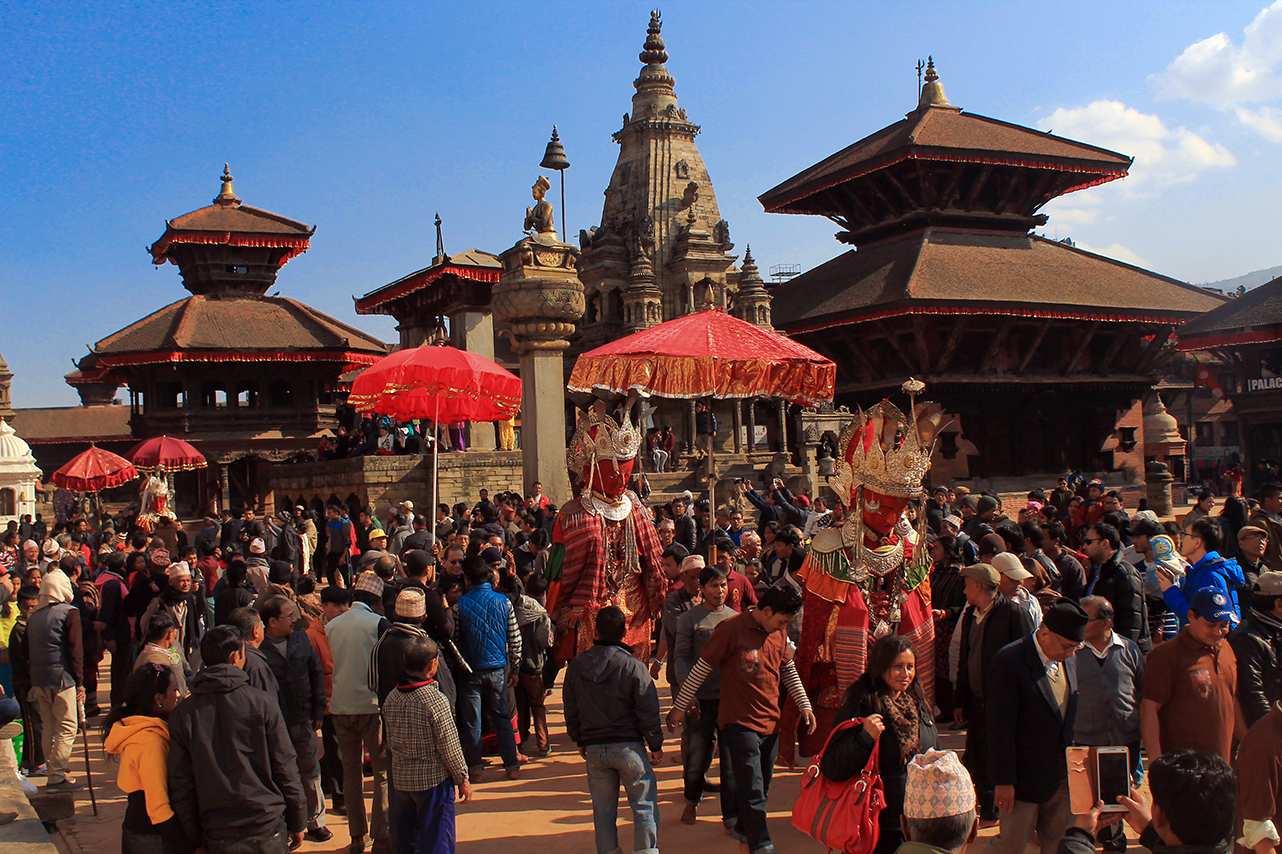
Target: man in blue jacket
[[1207, 571], [490, 642]]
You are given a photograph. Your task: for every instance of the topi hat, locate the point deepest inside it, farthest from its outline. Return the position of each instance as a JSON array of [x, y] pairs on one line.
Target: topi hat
[[160, 557], [983, 573], [955, 521], [369, 582], [50, 549], [411, 603], [1066, 618], [257, 546], [692, 562], [178, 570], [937, 786]]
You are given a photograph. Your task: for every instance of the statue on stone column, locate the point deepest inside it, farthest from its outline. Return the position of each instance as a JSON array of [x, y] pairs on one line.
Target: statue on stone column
[[604, 547], [539, 218]]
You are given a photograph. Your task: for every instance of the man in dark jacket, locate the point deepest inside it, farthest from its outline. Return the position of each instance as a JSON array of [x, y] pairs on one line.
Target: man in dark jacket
[[685, 534], [57, 674], [235, 594], [937, 509], [490, 642], [233, 776], [1118, 582], [1257, 643], [297, 668], [1031, 688], [990, 622], [116, 634], [612, 714]]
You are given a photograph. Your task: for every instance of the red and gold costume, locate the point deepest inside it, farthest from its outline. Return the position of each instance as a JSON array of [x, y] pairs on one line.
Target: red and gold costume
[[869, 577], [605, 550]]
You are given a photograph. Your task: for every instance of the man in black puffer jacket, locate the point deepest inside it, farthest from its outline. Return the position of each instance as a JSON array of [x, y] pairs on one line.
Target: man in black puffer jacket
[[233, 775], [1257, 643]]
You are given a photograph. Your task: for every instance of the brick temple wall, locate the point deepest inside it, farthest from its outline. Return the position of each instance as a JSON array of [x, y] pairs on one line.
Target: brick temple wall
[[384, 481]]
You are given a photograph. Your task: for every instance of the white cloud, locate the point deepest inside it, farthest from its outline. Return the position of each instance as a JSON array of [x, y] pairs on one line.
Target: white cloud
[[1163, 156], [1225, 75], [1115, 250], [1266, 121], [1071, 216]]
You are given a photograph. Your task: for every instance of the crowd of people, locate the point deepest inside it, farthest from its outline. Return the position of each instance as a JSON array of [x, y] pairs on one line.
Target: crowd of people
[[260, 669]]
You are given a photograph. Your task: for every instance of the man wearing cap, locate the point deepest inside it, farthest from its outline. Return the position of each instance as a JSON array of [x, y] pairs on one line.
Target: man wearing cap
[[1011, 585], [937, 509], [355, 709], [939, 805], [1269, 517], [297, 668], [1190, 684], [989, 622], [1257, 645], [1031, 689], [952, 527], [981, 523], [177, 599], [1252, 543]]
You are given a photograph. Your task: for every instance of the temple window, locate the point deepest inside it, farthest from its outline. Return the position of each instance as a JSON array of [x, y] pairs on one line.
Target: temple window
[[247, 393], [615, 306], [8, 503], [170, 396], [281, 393], [213, 394]]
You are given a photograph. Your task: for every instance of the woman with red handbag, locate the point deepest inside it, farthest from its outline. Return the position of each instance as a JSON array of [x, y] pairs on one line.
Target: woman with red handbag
[[897, 720]]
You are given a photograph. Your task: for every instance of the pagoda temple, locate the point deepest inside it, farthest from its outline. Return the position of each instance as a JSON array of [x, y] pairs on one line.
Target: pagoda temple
[[249, 379], [1040, 353]]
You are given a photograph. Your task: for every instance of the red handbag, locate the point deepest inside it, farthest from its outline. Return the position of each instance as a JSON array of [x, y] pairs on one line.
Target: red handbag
[[843, 816]]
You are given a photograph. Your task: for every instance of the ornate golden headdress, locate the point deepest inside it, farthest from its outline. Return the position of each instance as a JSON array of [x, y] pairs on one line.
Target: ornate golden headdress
[[599, 437], [886, 450]]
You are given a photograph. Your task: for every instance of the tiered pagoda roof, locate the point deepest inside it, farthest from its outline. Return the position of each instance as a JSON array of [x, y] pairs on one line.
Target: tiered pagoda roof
[[1253, 318]]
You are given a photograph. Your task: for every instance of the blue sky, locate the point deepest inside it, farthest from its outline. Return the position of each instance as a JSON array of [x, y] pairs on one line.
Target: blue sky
[[366, 119]]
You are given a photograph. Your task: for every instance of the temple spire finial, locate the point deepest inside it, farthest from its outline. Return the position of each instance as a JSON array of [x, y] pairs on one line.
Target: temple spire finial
[[227, 197], [932, 94], [655, 75]]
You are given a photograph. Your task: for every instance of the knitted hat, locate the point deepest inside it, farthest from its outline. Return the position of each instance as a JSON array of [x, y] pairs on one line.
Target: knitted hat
[[937, 786], [160, 557], [411, 603], [985, 503], [491, 555], [991, 544], [178, 570], [1067, 619], [257, 546], [369, 582]]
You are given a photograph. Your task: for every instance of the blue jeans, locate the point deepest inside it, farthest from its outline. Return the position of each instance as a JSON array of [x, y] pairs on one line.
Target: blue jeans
[[425, 820], [701, 735], [626, 763], [486, 688], [752, 755]]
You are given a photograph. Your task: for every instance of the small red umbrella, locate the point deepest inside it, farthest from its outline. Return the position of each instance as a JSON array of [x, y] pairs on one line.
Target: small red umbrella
[[94, 470], [167, 454], [440, 383]]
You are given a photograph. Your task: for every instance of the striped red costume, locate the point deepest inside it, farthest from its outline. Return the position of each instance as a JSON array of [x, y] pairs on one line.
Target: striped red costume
[[870, 577]]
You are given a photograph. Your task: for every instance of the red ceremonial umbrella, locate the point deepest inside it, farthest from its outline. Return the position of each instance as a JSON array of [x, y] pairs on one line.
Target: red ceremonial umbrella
[[707, 354], [94, 470], [167, 454], [440, 383]]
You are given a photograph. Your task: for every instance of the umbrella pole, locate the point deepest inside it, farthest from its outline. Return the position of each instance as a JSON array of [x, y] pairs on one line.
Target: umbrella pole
[[712, 490], [436, 457]]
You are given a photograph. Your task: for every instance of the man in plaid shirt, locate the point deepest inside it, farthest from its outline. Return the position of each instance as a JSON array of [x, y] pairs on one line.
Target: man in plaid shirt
[[427, 760]]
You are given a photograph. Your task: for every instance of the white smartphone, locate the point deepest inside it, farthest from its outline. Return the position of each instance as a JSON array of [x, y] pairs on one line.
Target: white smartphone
[[1113, 776]]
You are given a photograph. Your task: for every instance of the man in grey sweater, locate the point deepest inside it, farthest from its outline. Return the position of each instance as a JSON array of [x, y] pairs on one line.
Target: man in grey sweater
[[612, 714], [1110, 670]]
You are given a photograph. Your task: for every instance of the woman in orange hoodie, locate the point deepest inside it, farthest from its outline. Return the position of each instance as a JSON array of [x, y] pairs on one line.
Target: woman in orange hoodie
[[136, 732]]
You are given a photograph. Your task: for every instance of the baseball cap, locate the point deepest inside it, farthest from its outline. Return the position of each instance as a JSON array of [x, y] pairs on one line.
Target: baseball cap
[[983, 573], [1269, 584], [1212, 605], [1010, 566]]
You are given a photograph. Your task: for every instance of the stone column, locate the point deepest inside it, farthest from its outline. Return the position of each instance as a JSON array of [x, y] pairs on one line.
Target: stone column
[[782, 406], [473, 330], [752, 424], [226, 484], [736, 423], [540, 295]]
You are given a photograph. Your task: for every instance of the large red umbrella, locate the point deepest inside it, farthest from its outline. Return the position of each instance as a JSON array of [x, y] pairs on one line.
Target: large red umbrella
[[167, 454], [707, 354], [444, 384], [440, 383], [94, 470]]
